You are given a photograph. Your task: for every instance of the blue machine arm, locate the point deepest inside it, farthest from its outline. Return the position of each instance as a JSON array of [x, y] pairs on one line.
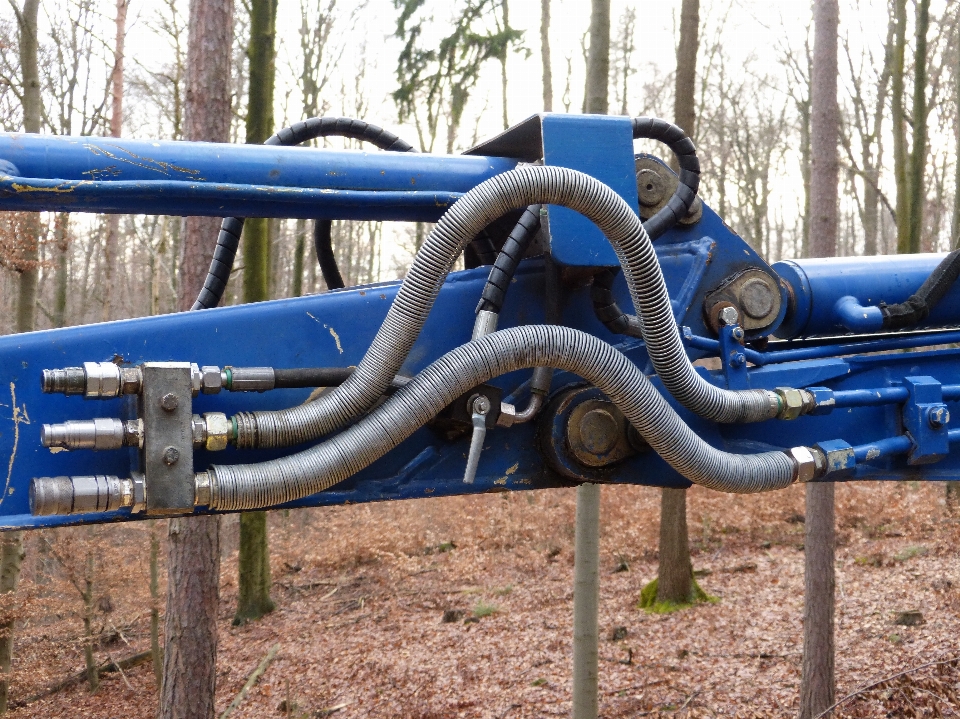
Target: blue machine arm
[[865, 413]]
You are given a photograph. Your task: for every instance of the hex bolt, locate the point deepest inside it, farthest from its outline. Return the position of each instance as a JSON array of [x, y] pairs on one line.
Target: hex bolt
[[480, 405], [169, 402], [938, 417], [739, 359], [729, 315], [738, 334], [171, 455], [599, 431]]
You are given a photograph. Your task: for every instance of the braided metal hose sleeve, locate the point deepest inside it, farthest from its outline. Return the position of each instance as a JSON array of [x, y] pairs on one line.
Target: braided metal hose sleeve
[[254, 486], [651, 128], [228, 240], [460, 224]]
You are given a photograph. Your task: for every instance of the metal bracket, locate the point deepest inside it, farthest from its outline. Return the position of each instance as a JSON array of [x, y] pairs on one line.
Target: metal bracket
[[925, 418], [732, 357], [166, 407]]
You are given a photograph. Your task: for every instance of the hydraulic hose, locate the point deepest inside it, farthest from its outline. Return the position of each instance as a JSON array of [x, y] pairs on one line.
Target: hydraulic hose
[[647, 128], [514, 249], [254, 486], [460, 224], [231, 228]]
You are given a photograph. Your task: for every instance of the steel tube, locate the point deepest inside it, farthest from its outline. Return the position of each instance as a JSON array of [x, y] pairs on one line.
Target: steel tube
[[817, 286]]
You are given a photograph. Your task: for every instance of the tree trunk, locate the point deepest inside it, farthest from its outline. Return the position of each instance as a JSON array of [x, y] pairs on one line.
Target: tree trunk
[[899, 122], [193, 558], [299, 251], [675, 572], [918, 153], [89, 660], [817, 682], [586, 587], [62, 240], [156, 653], [505, 7], [254, 561], [545, 55], [586, 597], [11, 543], [116, 126], [598, 59]]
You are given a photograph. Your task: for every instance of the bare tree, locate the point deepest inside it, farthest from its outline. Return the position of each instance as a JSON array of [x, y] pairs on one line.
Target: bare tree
[[11, 544], [817, 683], [116, 127], [545, 56], [193, 586], [675, 571]]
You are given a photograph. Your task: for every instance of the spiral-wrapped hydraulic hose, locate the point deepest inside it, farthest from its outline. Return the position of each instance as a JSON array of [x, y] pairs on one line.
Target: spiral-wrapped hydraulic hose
[[253, 486], [231, 228], [461, 223]]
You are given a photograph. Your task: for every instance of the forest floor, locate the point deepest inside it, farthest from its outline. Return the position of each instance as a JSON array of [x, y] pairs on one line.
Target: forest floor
[[362, 593]]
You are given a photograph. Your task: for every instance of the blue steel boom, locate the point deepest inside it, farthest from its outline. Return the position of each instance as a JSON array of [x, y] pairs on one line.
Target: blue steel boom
[[810, 338]]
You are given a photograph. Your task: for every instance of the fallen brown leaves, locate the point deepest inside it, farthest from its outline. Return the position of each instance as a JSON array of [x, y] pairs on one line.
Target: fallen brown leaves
[[362, 592]]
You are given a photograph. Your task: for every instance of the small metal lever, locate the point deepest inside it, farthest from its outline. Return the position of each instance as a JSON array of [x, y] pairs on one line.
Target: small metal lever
[[479, 406]]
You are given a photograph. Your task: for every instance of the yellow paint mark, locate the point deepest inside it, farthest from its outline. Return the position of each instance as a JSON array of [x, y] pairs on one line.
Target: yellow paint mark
[[502, 480], [336, 338], [513, 469], [429, 490], [19, 417], [522, 481], [58, 190]]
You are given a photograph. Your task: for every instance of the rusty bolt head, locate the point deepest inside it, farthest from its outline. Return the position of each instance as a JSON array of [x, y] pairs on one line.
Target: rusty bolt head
[[757, 298], [171, 455], [169, 402], [729, 315], [938, 416], [651, 188], [599, 431]]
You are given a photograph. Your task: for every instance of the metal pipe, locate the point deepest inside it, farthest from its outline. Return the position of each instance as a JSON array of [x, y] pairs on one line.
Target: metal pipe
[[816, 286], [885, 448]]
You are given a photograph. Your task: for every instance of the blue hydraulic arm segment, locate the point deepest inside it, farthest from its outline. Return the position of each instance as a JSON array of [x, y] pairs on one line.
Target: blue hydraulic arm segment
[[876, 416], [43, 172]]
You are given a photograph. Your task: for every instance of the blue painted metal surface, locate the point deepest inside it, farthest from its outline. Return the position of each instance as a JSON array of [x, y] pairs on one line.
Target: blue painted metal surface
[[183, 178], [818, 284], [872, 393]]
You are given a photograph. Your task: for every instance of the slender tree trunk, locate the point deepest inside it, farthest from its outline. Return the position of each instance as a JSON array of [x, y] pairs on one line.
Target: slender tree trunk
[[193, 555], [586, 598], [156, 652], [817, 682], [254, 561], [505, 7], [955, 224], [11, 543], [586, 587], [62, 239], [598, 59], [545, 55], [299, 250], [675, 571], [899, 122], [918, 153], [116, 127]]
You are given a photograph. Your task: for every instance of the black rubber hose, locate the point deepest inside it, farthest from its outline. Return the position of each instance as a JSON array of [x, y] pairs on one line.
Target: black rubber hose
[[495, 290], [231, 228], [323, 244], [305, 377], [648, 128], [917, 307]]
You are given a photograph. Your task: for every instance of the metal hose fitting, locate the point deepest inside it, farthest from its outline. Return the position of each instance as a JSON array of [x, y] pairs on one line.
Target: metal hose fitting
[[253, 486]]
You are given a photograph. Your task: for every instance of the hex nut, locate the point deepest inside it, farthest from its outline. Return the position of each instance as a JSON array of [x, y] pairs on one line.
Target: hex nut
[[599, 431], [169, 402], [938, 416], [806, 464], [219, 428], [210, 379], [791, 401]]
